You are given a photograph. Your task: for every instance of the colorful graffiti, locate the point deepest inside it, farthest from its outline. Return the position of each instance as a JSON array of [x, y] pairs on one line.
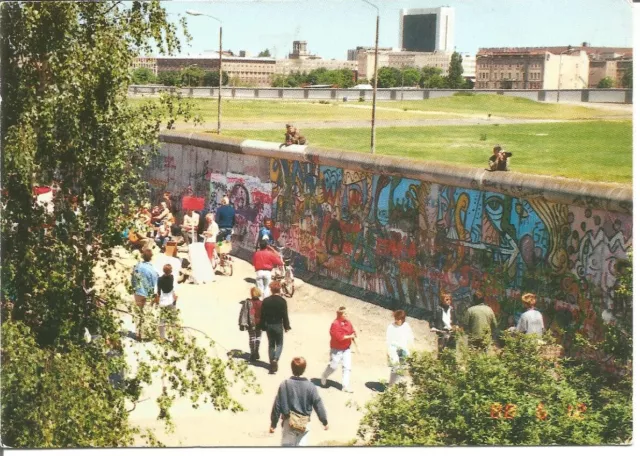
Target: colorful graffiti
[[407, 240]]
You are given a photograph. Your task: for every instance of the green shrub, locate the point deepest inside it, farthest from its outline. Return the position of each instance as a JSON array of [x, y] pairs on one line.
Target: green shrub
[[519, 396]]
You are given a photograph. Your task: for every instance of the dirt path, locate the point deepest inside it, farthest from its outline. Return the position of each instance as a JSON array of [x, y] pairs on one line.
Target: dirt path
[[213, 308]]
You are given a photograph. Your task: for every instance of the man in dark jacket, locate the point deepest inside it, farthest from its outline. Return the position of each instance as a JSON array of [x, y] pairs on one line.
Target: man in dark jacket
[[298, 396], [499, 160], [226, 219]]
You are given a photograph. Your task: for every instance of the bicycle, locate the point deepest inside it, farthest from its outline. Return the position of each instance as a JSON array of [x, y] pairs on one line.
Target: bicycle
[[284, 274]]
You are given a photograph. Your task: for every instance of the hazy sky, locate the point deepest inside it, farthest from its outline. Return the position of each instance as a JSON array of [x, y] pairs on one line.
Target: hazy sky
[[332, 26]]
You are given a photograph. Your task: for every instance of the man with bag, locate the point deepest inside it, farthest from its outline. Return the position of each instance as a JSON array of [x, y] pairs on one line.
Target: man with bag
[[296, 399]]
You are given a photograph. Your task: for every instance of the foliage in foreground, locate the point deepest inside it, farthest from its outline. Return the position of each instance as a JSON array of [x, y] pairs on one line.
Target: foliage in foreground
[[520, 396], [66, 121]]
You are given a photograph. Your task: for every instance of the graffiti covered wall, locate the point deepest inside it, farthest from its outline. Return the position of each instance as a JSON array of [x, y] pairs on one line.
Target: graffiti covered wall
[[405, 239]]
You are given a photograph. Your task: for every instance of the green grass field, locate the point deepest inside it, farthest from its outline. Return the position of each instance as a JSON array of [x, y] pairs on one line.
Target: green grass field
[[447, 107], [590, 150]]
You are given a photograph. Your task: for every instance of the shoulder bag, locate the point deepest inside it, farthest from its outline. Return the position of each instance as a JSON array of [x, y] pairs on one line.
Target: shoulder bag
[[297, 422]]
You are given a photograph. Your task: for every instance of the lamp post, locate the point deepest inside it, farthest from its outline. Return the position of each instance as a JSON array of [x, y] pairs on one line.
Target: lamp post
[[375, 80], [569, 49], [197, 13]]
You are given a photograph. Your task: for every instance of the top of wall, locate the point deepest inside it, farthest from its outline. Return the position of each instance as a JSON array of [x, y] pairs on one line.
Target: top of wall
[[595, 195]]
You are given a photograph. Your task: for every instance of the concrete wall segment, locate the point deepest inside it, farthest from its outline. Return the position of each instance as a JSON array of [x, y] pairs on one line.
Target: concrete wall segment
[[612, 197]]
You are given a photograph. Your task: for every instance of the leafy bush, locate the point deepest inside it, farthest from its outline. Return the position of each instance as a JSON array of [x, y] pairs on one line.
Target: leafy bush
[[519, 396]]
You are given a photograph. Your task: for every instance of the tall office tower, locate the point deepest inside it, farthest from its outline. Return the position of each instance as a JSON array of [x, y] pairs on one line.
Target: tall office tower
[[427, 29]]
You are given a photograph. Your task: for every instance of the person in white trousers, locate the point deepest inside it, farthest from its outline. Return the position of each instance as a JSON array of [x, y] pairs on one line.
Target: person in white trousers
[[342, 334], [399, 343]]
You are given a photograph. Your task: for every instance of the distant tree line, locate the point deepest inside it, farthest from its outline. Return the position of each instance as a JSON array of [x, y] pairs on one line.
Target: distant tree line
[[342, 78], [187, 77], [426, 78]]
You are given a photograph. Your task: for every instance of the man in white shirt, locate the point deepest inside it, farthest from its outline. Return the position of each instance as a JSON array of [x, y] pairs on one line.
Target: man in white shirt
[[190, 226]]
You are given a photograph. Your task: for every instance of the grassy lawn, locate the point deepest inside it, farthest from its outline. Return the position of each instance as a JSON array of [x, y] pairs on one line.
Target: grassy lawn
[[505, 106], [447, 107], [590, 150]]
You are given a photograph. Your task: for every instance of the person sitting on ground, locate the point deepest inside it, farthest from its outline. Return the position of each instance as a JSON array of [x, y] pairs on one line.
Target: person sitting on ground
[[499, 161], [162, 214], [480, 323], [190, 226], [226, 220], [293, 136], [164, 234], [297, 398], [531, 321]]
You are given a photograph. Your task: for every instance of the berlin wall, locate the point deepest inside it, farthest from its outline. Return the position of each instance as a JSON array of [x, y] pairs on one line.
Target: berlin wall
[[397, 232]]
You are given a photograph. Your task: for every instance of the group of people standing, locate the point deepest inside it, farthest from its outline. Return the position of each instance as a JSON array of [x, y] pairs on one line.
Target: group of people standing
[[479, 322]]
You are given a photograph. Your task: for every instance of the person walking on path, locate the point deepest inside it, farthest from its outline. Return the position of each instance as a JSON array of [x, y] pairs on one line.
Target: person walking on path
[[296, 400], [480, 323], [342, 333], [443, 323], [264, 260], [249, 319], [274, 317], [399, 342], [226, 220], [167, 298], [531, 321], [144, 281]]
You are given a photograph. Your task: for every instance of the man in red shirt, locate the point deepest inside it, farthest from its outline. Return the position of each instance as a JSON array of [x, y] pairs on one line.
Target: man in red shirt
[[342, 333], [264, 260]]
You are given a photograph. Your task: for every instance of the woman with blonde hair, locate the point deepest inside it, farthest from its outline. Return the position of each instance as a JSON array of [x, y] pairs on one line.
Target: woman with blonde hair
[[210, 234], [531, 321], [249, 319]]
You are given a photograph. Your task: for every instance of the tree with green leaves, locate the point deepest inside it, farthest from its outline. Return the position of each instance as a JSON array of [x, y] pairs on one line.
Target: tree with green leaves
[[388, 77], [606, 83], [410, 77], [142, 76], [454, 77], [211, 78], [65, 120], [523, 394], [169, 78], [431, 78], [627, 78], [192, 76], [265, 53]]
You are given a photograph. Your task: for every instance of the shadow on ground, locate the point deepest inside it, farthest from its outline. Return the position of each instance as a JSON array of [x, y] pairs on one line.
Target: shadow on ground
[[330, 383], [376, 386], [250, 280], [239, 354]]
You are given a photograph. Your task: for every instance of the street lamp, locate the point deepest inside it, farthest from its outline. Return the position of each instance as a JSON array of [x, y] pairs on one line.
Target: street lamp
[[375, 80], [197, 13], [569, 49]]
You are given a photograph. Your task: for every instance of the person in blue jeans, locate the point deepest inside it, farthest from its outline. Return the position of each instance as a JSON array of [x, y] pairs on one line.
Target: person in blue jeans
[[274, 317], [144, 281], [226, 220]]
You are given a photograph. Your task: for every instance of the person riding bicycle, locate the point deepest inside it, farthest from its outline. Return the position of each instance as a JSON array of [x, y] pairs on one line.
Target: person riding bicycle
[[226, 220]]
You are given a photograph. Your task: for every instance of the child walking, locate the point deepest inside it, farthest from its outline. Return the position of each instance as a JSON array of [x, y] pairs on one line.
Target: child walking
[[167, 298], [249, 319]]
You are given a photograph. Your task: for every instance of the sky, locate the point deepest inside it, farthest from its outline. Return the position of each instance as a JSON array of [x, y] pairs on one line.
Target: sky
[[331, 27]]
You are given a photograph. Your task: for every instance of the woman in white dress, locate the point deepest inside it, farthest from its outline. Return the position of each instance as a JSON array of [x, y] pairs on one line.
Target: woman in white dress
[[399, 343], [210, 234]]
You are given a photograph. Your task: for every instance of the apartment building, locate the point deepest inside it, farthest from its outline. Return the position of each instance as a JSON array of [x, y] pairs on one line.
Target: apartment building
[[532, 68], [146, 62], [401, 59]]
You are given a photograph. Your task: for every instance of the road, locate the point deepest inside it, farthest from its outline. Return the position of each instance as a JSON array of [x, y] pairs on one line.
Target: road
[[213, 308]]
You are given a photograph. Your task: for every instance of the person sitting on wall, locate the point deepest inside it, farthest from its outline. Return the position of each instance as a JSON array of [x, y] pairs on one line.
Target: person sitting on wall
[[293, 136], [499, 161]]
